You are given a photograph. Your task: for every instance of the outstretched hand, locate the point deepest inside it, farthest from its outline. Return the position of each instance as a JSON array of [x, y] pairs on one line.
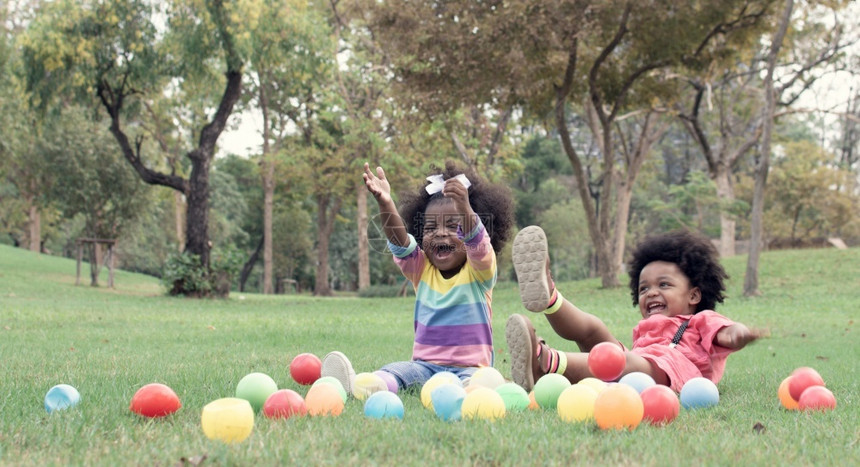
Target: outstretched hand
[[377, 184]]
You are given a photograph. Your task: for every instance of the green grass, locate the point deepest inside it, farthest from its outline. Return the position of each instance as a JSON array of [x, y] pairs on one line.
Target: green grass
[[110, 342]]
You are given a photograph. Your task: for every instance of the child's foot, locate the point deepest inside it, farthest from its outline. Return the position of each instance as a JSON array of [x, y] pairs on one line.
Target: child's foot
[[336, 365], [523, 346], [531, 264]]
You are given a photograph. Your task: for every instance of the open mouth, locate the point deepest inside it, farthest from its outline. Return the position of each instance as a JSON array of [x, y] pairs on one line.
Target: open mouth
[[655, 308]]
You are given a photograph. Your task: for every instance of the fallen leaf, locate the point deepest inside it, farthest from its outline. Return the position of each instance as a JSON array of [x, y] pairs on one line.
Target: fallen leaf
[[820, 357], [196, 460], [759, 428], [210, 327]]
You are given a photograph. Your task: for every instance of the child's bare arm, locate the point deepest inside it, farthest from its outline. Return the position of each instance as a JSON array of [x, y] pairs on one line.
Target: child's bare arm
[[459, 194], [736, 336], [392, 223]]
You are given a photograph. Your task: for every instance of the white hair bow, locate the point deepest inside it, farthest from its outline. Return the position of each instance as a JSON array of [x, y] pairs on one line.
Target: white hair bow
[[437, 183]]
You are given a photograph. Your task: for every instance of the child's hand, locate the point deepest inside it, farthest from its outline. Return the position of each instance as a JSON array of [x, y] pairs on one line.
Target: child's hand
[[459, 194], [378, 185], [737, 336]]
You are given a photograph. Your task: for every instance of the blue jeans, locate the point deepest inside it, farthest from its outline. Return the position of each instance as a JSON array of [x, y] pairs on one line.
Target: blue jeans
[[417, 372]]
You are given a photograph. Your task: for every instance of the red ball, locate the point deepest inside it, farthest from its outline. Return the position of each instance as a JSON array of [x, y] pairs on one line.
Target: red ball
[[661, 404], [305, 368], [154, 400], [817, 398], [801, 379], [284, 404], [606, 361]]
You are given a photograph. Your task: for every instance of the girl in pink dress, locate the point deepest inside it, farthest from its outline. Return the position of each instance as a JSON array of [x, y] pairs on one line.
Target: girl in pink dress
[[675, 279]]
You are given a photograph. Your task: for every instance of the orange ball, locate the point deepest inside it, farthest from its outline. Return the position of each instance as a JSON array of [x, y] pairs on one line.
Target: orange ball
[[533, 405], [785, 397], [323, 399], [619, 407]]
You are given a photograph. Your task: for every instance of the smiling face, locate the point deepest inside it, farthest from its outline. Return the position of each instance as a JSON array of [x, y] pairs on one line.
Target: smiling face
[[440, 242], [665, 290]]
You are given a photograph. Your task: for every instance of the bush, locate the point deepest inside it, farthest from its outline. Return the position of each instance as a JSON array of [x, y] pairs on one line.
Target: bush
[[184, 275]]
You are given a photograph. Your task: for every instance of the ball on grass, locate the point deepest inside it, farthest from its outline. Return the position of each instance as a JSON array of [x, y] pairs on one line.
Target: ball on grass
[[784, 396], [443, 377], [366, 384], [383, 404], [593, 383], [487, 377], [305, 368], [699, 393], [606, 361], [331, 380], [284, 403], [548, 388], [483, 404], [154, 400], [447, 401], [576, 403], [324, 400], [638, 381], [256, 388], [389, 379], [661, 405], [801, 379], [515, 397], [230, 420], [618, 407], [817, 398], [60, 397]]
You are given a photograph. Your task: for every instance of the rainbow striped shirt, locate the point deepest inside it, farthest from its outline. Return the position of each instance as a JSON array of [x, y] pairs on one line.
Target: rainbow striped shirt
[[453, 317]]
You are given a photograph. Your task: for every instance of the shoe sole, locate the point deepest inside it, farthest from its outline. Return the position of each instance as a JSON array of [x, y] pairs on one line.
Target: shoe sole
[[336, 365], [521, 346], [529, 258]]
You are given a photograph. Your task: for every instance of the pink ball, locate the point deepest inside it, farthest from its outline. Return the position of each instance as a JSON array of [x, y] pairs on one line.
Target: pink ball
[[801, 379], [305, 368], [284, 404], [155, 400], [817, 398], [606, 361], [389, 379], [661, 404]]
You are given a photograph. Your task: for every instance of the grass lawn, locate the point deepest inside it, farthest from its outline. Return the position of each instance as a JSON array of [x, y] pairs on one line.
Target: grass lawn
[[109, 342]]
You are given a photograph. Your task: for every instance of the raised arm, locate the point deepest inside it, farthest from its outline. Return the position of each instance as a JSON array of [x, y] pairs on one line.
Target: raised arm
[[736, 336], [392, 223], [459, 194]]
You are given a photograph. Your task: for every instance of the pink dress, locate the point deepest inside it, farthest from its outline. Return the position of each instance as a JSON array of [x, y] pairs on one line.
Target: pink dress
[[696, 355]]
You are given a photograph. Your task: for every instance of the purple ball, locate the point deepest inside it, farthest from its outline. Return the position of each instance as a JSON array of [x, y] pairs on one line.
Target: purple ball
[[389, 379]]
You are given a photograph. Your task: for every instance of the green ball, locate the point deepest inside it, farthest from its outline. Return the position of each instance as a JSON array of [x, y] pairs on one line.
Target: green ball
[[548, 388], [516, 398], [256, 388]]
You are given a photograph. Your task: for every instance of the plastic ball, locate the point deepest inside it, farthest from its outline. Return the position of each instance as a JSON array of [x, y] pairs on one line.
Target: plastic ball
[[366, 384], [533, 405], [699, 393], [638, 381], [256, 388], [230, 420], [817, 398], [487, 377], [331, 380], [389, 379], [483, 404], [593, 383], [383, 404], [284, 403], [447, 401], [548, 388], [324, 400], [661, 405], [60, 397], [618, 407], [154, 400], [434, 382], [784, 396], [606, 361], [576, 403], [516, 398], [801, 379], [305, 368]]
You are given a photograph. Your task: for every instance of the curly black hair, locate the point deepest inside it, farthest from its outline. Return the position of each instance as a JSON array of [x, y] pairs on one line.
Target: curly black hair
[[695, 256], [492, 202]]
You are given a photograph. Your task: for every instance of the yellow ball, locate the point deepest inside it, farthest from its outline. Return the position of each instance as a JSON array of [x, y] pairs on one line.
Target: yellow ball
[[618, 406], [576, 403], [785, 397], [229, 419], [444, 377], [483, 404], [593, 383], [487, 377], [366, 384]]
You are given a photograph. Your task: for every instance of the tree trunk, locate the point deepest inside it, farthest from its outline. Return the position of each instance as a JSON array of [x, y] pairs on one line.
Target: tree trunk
[[756, 227], [726, 194], [326, 213], [249, 266], [35, 221], [363, 246], [179, 218], [267, 171], [197, 224]]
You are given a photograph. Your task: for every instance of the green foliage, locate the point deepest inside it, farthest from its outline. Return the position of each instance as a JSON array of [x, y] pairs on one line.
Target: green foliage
[[183, 274], [566, 229]]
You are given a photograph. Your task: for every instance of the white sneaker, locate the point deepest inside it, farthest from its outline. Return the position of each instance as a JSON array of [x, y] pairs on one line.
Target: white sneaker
[[336, 365]]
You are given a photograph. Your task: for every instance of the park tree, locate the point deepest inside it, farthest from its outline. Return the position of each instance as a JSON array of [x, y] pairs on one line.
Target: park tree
[[596, 62], [122, 53]]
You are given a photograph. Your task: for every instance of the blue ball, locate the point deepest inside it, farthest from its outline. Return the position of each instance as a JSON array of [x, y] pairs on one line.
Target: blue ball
[[638, 381], [383, 404], [447, 401], [61, 396], [699, 393]]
